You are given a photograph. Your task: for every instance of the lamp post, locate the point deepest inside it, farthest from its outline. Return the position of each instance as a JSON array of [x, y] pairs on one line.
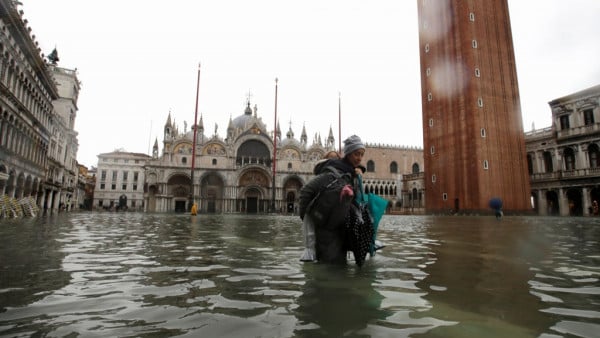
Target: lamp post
[[274, 150], [191, 197]]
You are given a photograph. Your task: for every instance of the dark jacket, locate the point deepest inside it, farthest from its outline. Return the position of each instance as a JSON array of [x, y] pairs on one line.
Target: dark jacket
[[328, 211]]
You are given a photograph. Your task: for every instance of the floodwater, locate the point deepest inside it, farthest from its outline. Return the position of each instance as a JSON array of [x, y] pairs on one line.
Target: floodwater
[[158, 275]]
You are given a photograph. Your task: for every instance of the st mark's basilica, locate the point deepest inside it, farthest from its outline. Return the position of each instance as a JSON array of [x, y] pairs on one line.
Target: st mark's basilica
[[235, 173]]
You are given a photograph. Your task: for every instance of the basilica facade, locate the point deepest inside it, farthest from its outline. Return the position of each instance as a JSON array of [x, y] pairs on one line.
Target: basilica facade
[[236, 173]]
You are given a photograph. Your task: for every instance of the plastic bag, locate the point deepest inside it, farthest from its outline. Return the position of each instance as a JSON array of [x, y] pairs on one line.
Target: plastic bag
[[308, 229]]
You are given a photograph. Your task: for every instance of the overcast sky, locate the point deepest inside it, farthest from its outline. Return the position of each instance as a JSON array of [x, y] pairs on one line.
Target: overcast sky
[[138, 61]]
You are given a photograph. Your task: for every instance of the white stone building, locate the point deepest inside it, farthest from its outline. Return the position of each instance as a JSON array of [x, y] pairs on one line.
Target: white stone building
[[564, 159], [120, 181], [38, 106]]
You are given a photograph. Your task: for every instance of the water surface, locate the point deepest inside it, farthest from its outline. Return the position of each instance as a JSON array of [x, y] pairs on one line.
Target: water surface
[[157, 275]]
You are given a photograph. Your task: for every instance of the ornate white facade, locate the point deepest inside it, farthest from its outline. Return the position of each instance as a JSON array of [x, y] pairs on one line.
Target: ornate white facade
[[235, 174]]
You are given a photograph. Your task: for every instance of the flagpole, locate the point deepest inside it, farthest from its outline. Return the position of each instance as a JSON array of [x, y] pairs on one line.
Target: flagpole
[[340, 123], [274, 150], [191, 200]]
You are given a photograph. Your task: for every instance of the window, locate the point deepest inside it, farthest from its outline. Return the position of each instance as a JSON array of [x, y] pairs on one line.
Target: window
[[432, 150], [483, 134], [124, 187], [569, 156], [445, 196], [103, 175], [530, 164], [113, 186], [477, 72], [429, 97], [100, 203], [594, 156], [214, 161], [102, 186], [183, 160], [289, 166], [125, 174], [471, 16], [486, 164], [588, 117], [431, 122], [564, 122], [114, 175], [426, 48], [428, 71], [134, 187], [433, 178], [370, 166], [415, 168], [474, 43], [548, 162], [135, 176], [394, 167], [133, 204], [480, 102]]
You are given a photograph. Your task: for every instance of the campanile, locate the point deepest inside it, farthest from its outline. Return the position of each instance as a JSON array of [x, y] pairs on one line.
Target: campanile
[[473, 141]]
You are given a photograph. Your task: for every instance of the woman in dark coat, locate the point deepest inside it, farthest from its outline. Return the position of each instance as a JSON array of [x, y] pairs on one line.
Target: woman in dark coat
[[335, 186]]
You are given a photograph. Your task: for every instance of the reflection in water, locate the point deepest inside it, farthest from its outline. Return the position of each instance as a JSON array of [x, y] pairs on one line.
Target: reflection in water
[[338, 301], [129, 274]]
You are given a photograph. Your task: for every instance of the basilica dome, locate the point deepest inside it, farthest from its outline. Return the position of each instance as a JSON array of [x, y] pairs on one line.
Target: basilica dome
[[246, 120]]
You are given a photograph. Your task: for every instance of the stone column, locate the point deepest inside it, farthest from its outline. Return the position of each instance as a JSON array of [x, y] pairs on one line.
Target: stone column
[[563, 202], [585, 199], [581, 158], [542, 203]]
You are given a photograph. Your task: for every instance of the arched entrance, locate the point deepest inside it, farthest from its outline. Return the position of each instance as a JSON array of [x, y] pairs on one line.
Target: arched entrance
[[253, 196], [292, 190], [152, 192], [254, 184], [178, 187], [535, 202], [574, 197], [552, 202], [211, 193], [594, 197]]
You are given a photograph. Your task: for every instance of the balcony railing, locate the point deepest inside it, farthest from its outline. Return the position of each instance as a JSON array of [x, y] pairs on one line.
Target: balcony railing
[[566, 174], [577, 131]]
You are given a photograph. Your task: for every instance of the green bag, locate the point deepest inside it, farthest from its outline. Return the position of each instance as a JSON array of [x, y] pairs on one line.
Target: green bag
[[376, 205]]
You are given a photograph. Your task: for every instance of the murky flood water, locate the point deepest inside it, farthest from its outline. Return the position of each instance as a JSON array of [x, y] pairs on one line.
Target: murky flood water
[[155, 275]]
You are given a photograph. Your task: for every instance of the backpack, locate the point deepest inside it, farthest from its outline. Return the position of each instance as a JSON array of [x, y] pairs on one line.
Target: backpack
[[330, 205]]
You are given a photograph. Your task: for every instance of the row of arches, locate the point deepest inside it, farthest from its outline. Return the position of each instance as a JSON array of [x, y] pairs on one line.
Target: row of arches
[[569, 159], [573, 201], [18, 185]]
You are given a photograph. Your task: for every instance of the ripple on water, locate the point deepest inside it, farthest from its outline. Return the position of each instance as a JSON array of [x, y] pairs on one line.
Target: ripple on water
[[110, 274]]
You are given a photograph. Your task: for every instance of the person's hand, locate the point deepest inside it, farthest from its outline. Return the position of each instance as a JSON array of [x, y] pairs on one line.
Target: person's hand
[[358, 171]]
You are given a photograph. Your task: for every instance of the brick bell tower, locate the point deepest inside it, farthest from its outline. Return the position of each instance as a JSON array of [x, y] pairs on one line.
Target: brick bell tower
[[473, 141]]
